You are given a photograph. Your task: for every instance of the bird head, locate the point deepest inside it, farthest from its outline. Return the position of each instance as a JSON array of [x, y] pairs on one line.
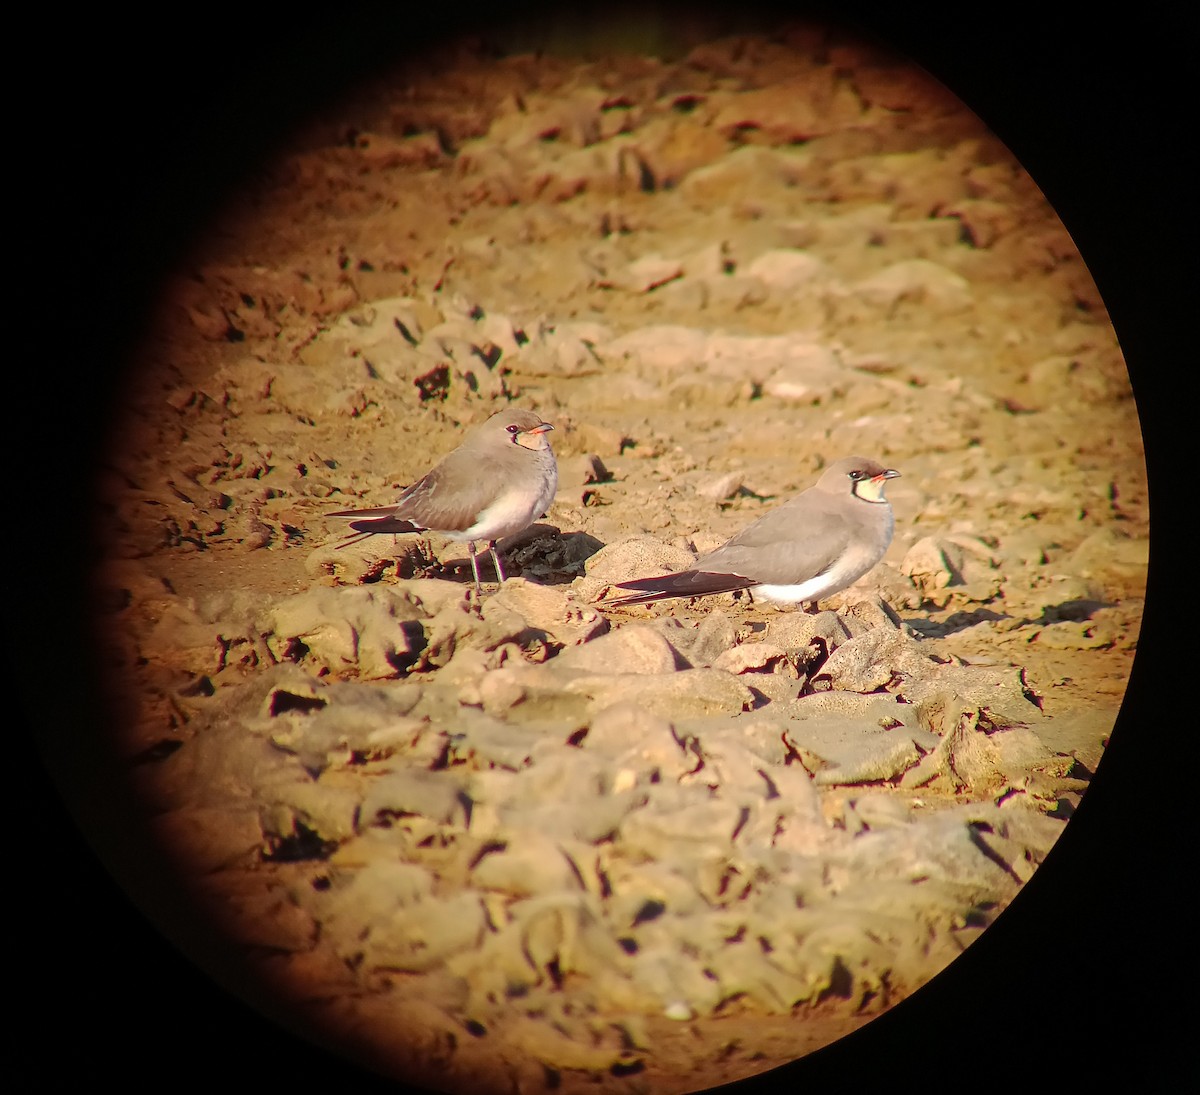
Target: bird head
[[866, 478], [523, 428]]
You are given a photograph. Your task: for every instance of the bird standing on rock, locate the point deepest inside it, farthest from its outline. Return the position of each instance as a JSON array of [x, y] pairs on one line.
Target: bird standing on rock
[[495, 484], [820, 542]]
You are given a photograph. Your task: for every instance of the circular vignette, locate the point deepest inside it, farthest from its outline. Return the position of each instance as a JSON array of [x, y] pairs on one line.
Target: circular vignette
[[122, 255]]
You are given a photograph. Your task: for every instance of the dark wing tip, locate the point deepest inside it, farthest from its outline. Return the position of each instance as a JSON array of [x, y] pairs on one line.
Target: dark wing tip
[[685, 583], [635, 598], [376, 526]]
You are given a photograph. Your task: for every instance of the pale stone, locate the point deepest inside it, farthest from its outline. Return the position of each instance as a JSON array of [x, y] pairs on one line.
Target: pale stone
[[756, 658], [633, 648]]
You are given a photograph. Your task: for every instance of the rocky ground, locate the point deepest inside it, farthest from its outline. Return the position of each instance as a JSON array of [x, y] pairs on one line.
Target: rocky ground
[[550, 845]]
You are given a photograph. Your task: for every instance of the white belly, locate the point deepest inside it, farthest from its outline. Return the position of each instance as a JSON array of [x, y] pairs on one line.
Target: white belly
[[812, 590], [852, 567], [509, 514]]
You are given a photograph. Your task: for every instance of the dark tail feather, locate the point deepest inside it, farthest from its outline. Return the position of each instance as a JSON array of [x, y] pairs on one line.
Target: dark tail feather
[[375, 514], [635, 598], [375, 526], [687, 583], [354, 539]]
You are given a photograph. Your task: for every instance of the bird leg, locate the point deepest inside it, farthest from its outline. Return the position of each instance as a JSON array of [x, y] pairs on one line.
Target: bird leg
[[475, 570], [496, 560]]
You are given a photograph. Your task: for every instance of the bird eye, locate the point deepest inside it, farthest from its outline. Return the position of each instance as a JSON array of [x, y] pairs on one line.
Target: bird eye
[[856, 475], [512, 429]]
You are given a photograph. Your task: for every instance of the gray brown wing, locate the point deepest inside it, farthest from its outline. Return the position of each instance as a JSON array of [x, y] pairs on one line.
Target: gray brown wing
[[447, 499], [789, 545]]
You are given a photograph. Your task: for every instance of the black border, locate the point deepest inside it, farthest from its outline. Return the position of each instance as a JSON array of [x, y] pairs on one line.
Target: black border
[[127, 137]]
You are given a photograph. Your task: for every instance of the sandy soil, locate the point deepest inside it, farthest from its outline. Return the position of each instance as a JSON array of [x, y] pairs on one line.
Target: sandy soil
[[710, 292]]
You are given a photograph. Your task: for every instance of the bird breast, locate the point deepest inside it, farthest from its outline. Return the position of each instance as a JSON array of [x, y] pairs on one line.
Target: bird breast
[[514, 510]]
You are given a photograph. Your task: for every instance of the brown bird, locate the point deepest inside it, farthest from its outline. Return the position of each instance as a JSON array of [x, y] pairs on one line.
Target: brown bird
[[495, 484], [820, 542]]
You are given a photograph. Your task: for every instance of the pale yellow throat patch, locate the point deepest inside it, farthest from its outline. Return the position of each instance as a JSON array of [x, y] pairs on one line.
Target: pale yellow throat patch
[[871, 489], [536, 441]]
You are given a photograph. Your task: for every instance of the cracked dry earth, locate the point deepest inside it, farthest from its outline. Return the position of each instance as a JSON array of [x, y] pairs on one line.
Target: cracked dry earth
[[550, 845]]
